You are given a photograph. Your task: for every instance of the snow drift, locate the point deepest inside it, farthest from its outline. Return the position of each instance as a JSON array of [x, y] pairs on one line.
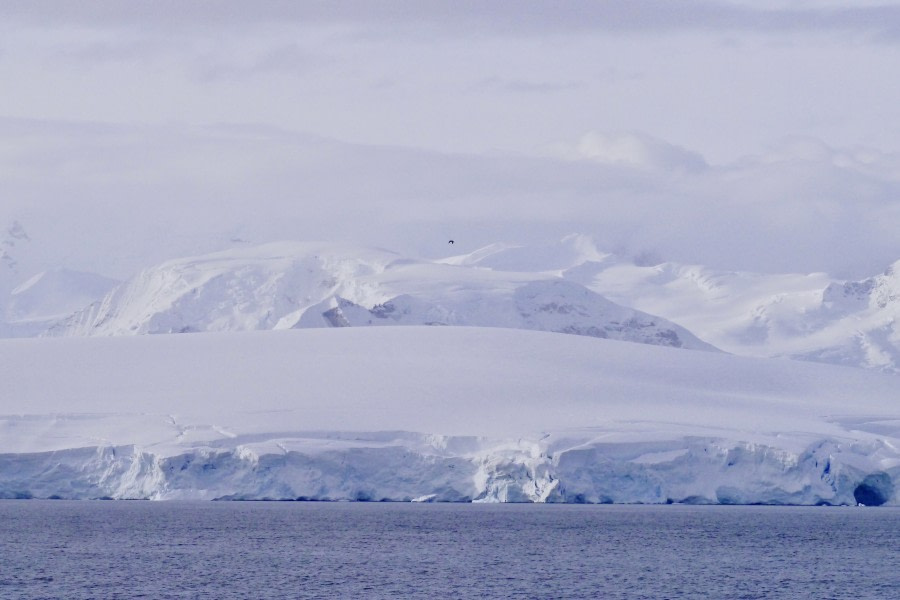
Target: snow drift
[[438, 414]]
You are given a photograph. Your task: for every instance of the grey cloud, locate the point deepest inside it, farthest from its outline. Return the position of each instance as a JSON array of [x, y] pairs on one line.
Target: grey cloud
[[142, 194], [613, 75], [520, 86], [108, 51], [634, 149], [383, 83], [284, 59], [467, 17]]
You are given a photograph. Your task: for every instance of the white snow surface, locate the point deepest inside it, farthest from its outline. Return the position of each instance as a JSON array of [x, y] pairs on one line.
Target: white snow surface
[[806, 317], [55, 294], [803, 316], [431, 414], [297, 285], [567, 286]]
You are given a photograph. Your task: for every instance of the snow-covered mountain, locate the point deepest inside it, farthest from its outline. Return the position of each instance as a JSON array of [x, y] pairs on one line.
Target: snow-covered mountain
[[856, 323], [438, 414], [806, 317], [49, 296], [13, 240], [30, 303], [14, 235], [568, 286], [802, 316], [299, 285]]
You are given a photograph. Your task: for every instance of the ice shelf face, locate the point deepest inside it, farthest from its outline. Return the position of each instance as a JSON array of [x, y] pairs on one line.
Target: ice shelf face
[[438, 414], [576, 467]]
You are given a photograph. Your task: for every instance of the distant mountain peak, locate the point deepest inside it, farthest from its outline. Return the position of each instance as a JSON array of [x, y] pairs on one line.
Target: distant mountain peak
[[14, 235], [299, 285]]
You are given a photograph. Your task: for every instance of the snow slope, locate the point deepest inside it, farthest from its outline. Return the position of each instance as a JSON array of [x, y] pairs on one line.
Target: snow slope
[[808, 317], [426, 413], [855, 323], [298, 285], [49, 296]]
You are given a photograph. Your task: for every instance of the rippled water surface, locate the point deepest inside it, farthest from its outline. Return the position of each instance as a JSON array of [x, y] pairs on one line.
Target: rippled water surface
[[60, 549]]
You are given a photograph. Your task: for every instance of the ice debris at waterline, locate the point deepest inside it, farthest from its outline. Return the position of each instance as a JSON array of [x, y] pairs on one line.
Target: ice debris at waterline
[[520, 417]]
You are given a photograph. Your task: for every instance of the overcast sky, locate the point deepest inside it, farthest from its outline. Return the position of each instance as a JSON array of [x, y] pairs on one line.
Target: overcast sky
[[746, 135]]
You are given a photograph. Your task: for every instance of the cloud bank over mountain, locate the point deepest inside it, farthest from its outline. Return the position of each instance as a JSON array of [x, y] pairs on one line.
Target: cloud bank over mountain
[[754, 136], [114, 198]]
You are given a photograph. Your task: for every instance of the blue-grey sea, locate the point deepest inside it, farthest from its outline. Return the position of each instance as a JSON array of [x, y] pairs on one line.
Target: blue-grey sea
[[95, 549]]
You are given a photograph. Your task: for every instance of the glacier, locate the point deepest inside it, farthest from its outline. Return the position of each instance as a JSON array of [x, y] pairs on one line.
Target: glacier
[[433, 414]]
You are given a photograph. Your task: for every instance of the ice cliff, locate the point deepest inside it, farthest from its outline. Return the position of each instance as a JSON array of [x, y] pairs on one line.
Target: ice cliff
[[574, 467]]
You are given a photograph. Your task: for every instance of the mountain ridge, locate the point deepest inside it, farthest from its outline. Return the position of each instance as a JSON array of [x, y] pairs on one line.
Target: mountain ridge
[[319, 284], [289, 285]]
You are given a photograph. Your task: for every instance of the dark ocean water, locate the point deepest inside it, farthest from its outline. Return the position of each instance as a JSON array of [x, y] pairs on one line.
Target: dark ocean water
[[93, 549]]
